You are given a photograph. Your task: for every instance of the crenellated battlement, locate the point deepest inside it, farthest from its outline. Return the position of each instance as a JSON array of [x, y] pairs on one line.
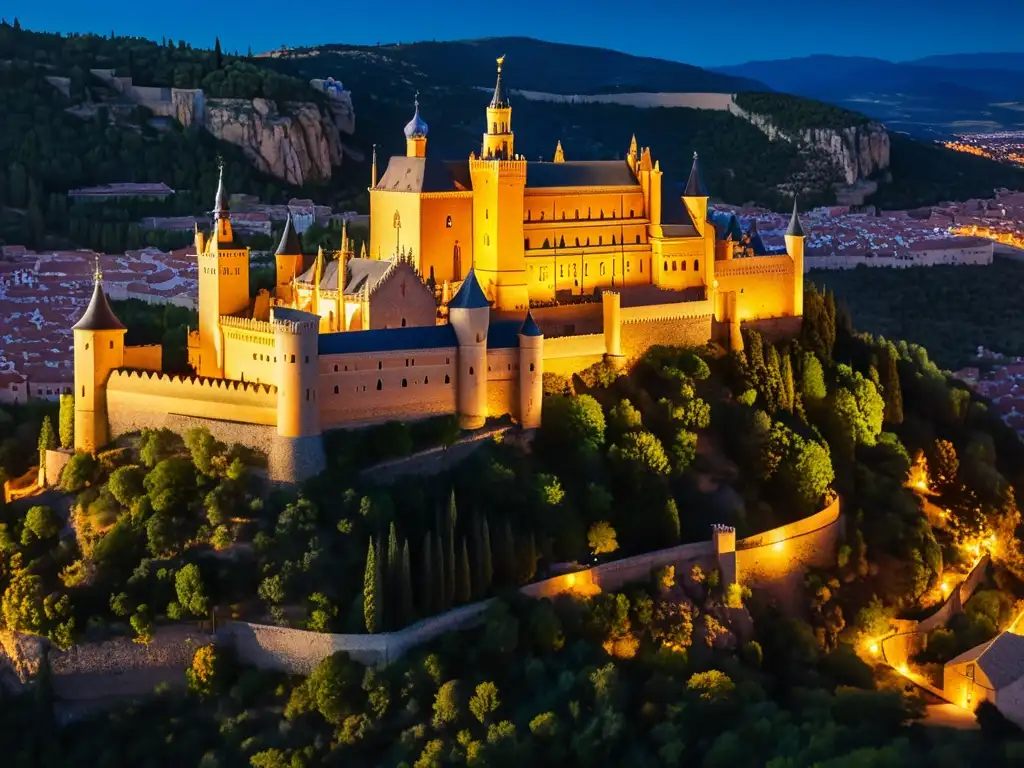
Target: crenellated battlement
[[296, 327], [224, 253], [654, 313], [247, 324], [124, 379], [508, 168], [756, 265]]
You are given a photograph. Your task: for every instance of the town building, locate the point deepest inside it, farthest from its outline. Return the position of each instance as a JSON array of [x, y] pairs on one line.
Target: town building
[[993, 672], [447, 314]]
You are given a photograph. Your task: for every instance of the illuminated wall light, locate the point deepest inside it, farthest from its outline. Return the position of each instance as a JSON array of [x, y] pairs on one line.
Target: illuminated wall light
[[571, 580], [779, 546], [873, 648]]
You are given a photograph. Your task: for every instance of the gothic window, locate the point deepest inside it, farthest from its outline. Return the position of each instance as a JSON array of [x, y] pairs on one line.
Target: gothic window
[[561, 242], [638, 239], [577, 241], [602, 269], [696, 265], [293, 358], [531, 367], [665, 268], [471, 370], [448, 223], [577, 213], [335, 389], [380, 385], [254, 357], [405, 382], [447, 379]]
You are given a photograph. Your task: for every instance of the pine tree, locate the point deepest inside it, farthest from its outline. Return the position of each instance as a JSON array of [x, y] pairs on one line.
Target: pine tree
[[372, 598], [487, 559], [218, 58], [788, 400], [47, 439], [426, 586], [891, 386], [505, 554], [449, 550], [669, 535], [406, 614], [463, 587], [830, 324], [392, 576], [17, 25]]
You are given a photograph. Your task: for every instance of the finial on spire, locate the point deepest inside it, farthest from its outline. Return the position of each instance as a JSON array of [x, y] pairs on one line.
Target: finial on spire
[[695, 183], [220, 205], [695, 154], [97, 273], [501, 61]]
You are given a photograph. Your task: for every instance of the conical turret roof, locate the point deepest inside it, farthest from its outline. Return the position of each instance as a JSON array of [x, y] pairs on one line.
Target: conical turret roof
[[290, 244], [795, 229], [470, 295], [98, 315], [220, 203], [530, 327], [695, 184]]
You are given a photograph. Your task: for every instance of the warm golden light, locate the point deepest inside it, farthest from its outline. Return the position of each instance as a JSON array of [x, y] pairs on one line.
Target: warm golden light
[[571, 580], [779, 546], [873, 648]]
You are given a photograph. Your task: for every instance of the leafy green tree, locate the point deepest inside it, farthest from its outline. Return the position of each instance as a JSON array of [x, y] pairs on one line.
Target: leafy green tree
[[668, 530], [191, 592], [893, 412], [623, 417], [683, 450], [41, 523], [858, 406], [155, 445], [812, 378], [484, 701], [788, 399], [126, 484], [142, 623], [944, 464], [170, 485], [601, 538], [640, 454], [447, 704], [573, 423], [22, 603], [711, 685], [373, 598], [204, 448], [66, 422], [79, 472]]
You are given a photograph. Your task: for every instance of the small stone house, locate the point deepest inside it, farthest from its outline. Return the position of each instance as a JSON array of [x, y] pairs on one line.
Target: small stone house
[[992, 671]]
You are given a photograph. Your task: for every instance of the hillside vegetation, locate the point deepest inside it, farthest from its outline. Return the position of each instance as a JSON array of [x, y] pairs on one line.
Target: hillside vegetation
[[792, 113]]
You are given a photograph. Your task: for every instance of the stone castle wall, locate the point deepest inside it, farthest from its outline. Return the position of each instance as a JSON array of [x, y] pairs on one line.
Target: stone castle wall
[[638, 337], [567, 355]]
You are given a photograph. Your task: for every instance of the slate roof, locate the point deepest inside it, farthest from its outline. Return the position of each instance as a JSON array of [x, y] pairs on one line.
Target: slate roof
[[695, 184], [1001, 659], [756, 243], [581, 173], [503, 334], [290, 245], [387, 340], [366, 272], [529, 326], [674, 211], [425, 174], [795, 229], [470, 295], [98, 315]]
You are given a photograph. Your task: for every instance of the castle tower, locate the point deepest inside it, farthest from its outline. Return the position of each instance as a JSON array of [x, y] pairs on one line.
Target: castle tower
[[531, 373], [223, 284], [498, 138], [795, 248], [695, 197], [415, 134], [469, 312], [99, 349], [298, 450], [499, 183], [288, 258]]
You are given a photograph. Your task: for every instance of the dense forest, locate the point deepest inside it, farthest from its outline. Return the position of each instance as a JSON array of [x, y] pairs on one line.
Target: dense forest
[[949, 310], [678, 669], [793, 113]]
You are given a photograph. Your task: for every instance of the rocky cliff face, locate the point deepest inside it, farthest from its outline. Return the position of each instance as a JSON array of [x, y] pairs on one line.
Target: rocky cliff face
[[857, 152], [297, 144]]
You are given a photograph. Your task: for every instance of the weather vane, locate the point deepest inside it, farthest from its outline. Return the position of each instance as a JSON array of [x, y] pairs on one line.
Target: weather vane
[[501, 60], [97, 271]]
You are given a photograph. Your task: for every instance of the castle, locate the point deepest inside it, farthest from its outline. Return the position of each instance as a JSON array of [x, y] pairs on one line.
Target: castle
[[553, 266]]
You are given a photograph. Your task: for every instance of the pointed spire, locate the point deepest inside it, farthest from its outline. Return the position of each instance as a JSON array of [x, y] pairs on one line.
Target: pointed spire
[[470, 295], [344, 237], [373, 169], [499, 100], [290, 244], [632, 146], [362, 252], [795, 229], [220, 204], [529, 326], [98, 315], [559, 153], [695, 184]]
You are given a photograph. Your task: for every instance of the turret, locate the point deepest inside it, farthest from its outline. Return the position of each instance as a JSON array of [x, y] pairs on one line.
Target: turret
[[531, 373], [695, 197], [469, 313], [795, 248], [415, 134], [99, 349], [611, 311], [498, 141], [288, 258]]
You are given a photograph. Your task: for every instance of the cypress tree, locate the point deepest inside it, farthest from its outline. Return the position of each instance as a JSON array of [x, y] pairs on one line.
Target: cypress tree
[[406, 614], [670, 524], [392, 576], [449, 544], [47, 439], [426, 586], [788, 400], [440, 602], [487, 559], [218, 58], [526, 558], [773, 380], [829, 336], [463, 588], [372, 598], [505, 554], [893, 390], [476, 563]]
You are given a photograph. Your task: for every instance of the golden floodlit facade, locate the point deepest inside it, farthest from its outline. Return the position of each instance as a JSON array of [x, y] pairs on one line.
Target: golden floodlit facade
[[482, 275]]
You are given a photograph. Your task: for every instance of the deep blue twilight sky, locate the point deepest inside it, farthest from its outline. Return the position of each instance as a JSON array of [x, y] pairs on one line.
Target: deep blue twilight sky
[[702, 33]]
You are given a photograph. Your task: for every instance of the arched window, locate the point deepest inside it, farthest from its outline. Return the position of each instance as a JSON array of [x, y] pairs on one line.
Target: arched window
[[254, 357], [696, 265], [380, 385], [405, 382], [542, 215], [426, 379], [577, 213], [602, 269], [448, 223], [447, 379], [335, 389], [586, 270], [563, 215], [380, 365], [665, 268], [83, 390], [335, 369], [293, 358], [471, 370], [531, 367], [632, 213], [403, 322], [674, 265], [577, 242], [638, 239]]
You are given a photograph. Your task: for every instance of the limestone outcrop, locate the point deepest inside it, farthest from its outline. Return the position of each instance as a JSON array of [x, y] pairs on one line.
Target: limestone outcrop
[[298, 143]]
